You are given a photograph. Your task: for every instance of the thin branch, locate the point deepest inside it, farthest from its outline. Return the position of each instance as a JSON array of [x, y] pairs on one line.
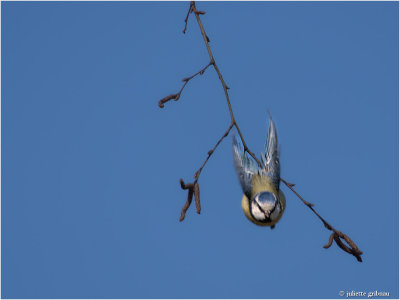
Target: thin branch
[[225, 87], [193, 188], [201, 72], [197, 174], [176, 97], [336, 235], [290, 186], [187, 17]]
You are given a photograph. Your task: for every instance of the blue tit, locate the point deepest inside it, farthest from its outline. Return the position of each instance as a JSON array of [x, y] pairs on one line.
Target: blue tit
[[263, 203]]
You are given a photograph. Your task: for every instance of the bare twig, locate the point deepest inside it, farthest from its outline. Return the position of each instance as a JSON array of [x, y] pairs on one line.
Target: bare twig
[[225, 87], [187, 18], [336, 235], [193, 188], [290, 186], [197, 174], [201, 72], [178, 95]]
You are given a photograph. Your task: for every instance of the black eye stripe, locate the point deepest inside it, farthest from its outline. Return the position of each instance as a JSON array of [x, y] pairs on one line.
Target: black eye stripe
[[267, 218], [260, 208]]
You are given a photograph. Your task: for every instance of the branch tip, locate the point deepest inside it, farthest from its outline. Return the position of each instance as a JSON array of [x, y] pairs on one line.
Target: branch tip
[[329, 242], [187, 17], [185, 186], [182, 183]]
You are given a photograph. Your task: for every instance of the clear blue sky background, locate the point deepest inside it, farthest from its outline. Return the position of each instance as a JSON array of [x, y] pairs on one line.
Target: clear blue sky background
[[91, 165]]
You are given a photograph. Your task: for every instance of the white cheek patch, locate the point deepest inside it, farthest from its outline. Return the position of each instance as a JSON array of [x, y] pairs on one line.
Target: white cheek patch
[[261, 213], [275, 213], [257, 213]]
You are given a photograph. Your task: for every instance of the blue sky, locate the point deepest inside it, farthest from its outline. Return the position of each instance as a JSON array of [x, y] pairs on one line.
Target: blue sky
[[91, 165]]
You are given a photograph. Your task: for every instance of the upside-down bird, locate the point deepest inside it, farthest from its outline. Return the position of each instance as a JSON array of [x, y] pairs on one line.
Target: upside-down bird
[[263, 203]]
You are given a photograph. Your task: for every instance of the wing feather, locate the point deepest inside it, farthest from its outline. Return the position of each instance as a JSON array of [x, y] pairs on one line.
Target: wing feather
[[270, 159], [245, 166]]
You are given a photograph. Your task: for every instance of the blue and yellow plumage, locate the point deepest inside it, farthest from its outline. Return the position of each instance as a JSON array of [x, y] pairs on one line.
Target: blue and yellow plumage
[[263, 202]]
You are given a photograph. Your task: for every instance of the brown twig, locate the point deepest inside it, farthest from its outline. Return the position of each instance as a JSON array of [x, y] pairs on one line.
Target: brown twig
[[176, 97], [336, 235], [187, 18], [290, 186], [197, 174], [193, 188], [225, 87]]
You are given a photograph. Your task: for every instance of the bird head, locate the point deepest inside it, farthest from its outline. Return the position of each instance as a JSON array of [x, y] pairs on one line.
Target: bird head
[[265, 207]]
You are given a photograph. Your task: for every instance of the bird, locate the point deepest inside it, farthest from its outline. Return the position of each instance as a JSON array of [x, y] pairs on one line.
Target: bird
[[263, 203]]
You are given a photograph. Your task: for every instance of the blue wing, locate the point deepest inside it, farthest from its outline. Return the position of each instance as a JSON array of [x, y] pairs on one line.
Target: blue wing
[[245, 166], [270, 159]]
